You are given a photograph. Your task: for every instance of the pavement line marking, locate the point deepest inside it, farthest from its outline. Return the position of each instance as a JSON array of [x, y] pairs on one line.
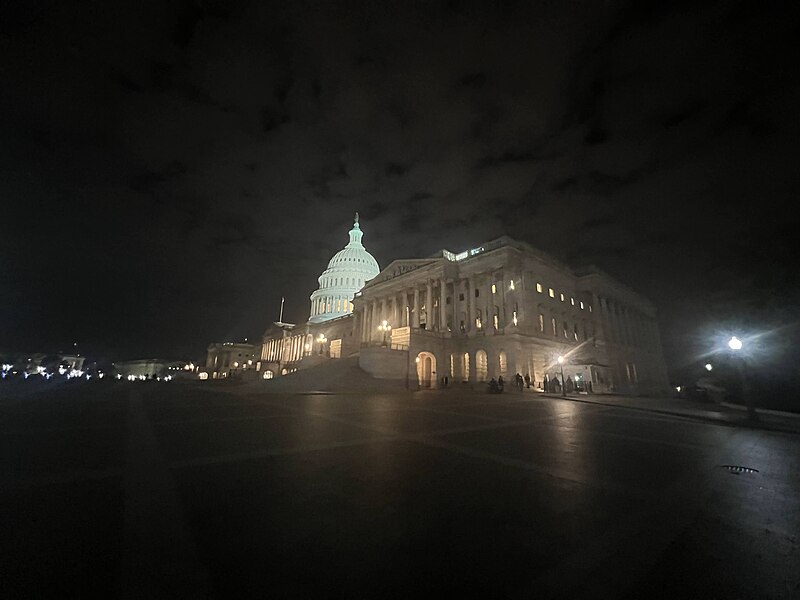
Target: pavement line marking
[[244, 456], [428, 439], [159, 557]]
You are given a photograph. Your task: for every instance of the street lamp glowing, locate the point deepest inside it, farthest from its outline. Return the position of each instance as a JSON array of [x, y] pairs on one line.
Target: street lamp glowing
[[709, 366], [561, 360], [735, 344]]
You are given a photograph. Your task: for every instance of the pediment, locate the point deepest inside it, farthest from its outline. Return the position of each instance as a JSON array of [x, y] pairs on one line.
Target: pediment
[[401, 267]]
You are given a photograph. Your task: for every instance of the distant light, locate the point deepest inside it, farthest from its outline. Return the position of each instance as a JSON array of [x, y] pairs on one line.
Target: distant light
[[416, 359], [561, 360], [101, 375], [202, 376], [677, 388], [512, 284], [709, 366], [735, 343]]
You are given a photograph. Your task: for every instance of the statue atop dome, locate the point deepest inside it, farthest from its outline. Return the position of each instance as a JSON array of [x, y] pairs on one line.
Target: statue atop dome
[[347, 272]]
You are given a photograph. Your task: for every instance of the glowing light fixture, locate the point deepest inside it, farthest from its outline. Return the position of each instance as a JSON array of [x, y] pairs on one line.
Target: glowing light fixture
[[735, 344], [709, 366]]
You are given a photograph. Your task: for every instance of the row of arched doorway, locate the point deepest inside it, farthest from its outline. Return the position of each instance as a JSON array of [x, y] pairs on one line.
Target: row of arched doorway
[[460, 365]]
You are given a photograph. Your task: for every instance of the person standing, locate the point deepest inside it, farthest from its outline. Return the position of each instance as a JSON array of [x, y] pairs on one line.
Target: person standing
[[527, 380]]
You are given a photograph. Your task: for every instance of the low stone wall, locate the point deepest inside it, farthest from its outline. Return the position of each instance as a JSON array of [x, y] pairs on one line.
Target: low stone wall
[[383, 363]]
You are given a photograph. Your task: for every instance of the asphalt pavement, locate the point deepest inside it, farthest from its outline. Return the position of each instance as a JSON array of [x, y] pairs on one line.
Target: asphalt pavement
[[184, 490]]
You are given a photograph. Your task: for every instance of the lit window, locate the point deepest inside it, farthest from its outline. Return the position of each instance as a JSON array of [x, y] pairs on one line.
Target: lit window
[[514, 318], [539, 287], [555, 327], [551, 292], [478, 322], [562, 297], [496, 321], [581, 305], [541, 322], [572, 301], [590, 308], [512, 285], [494, 289]]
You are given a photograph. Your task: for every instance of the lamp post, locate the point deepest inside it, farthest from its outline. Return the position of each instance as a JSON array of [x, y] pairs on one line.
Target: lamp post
[[563, 381], [385, 328], [735, 344]]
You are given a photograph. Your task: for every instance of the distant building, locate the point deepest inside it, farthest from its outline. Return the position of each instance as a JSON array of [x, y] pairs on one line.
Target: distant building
[[147, 368], [231, 359]]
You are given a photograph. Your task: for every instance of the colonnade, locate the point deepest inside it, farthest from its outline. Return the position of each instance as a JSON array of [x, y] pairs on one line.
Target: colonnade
[[286, 349], [336, 303], [425, 306]]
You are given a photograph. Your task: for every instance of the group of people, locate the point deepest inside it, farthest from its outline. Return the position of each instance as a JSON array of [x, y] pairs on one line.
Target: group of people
[[520, 382]]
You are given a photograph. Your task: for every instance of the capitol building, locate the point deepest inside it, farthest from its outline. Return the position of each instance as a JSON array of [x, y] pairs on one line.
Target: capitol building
[[497, 309]]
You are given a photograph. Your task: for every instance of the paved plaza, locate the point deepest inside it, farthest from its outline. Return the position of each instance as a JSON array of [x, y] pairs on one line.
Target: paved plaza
[[147, 490]]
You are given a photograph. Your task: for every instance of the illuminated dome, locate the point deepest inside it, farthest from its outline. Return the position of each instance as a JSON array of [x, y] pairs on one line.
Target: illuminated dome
[[347, 272]]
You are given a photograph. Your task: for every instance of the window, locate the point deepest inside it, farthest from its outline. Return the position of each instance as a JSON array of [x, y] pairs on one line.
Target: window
[[539, 287], [494, 289], [447, 300], [461, 297], [465, 374], [511, 287], [503, 360], [541, 322], [572, 301], [478, 323], [551, 292], [562, 297], [555, 327], [477, 292], [590, 308], [452, 366], [566, 329], [514, 318], [575, 332], [581, 305], [496, 321]]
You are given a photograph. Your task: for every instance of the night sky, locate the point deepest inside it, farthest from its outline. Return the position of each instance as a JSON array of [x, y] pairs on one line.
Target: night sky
[[169, 170]]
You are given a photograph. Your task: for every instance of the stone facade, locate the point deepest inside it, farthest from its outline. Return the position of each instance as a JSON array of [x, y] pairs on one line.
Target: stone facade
[[231, 359], [505, 308]]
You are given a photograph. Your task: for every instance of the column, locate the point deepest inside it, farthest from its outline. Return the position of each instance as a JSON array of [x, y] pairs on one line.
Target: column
[[429, 305], [488, 322], [456, 319], [415, 316], [442, 305], [471, 303]]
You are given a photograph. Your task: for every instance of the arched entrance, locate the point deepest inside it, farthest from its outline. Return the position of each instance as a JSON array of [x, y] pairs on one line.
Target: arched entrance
[[481, 366], [426, 370]]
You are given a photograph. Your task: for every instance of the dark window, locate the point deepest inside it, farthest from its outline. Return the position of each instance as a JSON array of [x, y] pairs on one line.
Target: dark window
[[477, 292], [461, 296], [447, 300]]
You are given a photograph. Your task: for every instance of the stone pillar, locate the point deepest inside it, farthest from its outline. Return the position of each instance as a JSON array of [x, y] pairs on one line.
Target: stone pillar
[[471, 303], [488, 323], [415, 316], [442, 304], [456, 320], [429, 305]]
